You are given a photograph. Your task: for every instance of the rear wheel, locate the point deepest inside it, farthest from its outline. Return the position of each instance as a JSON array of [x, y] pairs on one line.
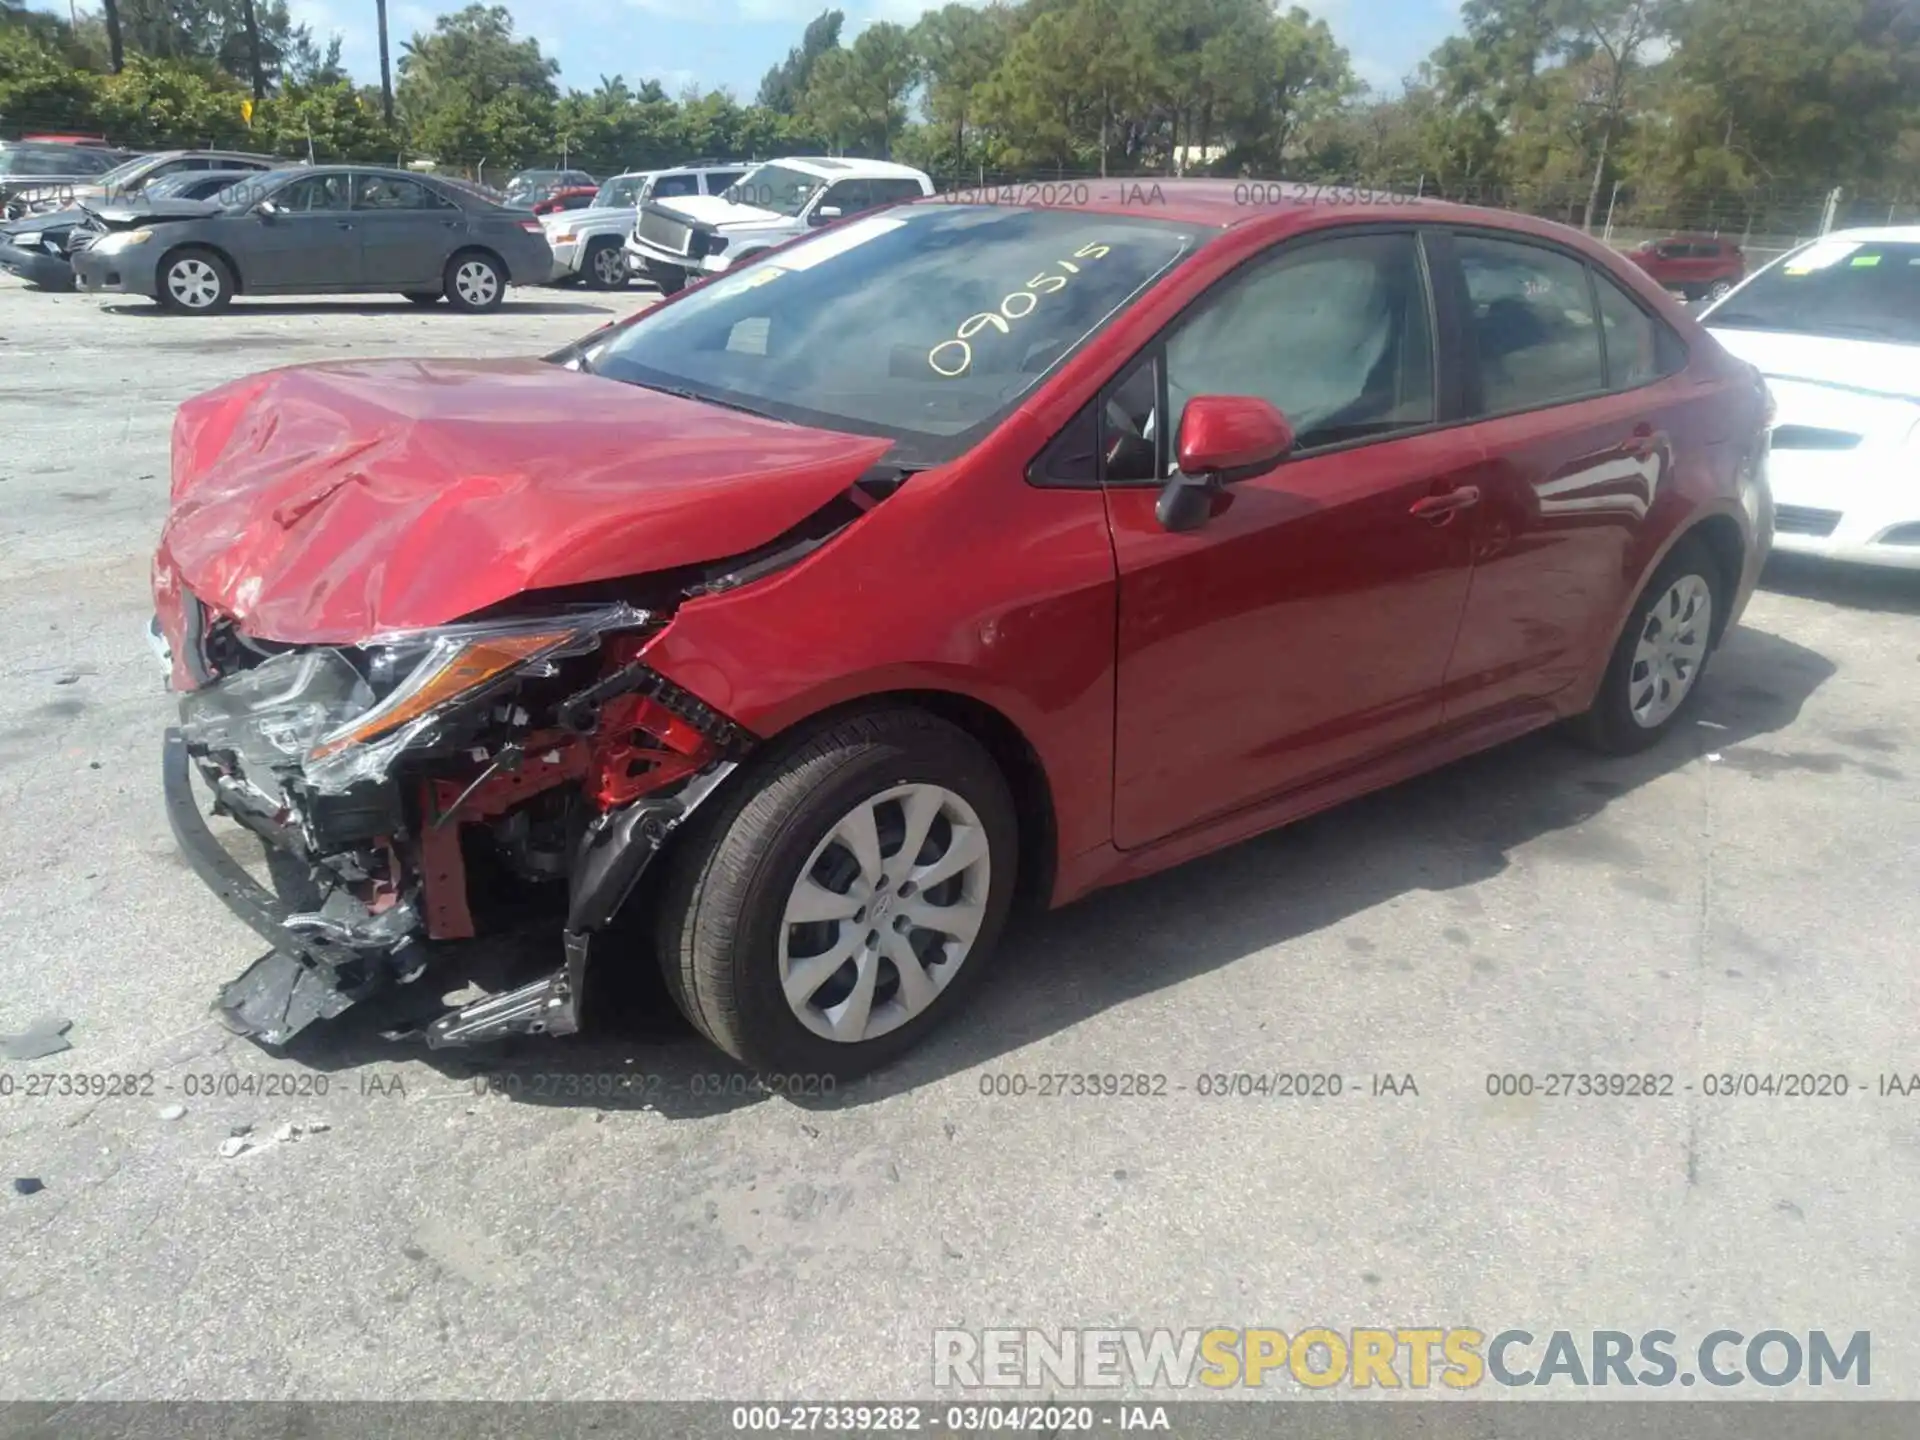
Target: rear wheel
[[840, 904], [605, 265], [194, 282], [1656, 665], [476, 282], [1719, 290]]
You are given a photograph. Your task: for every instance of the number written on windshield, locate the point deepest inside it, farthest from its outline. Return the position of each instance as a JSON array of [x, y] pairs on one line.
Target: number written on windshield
[[951, 359]]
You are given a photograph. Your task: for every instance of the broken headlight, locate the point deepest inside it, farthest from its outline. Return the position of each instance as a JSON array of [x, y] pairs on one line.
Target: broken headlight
[[340, 723]]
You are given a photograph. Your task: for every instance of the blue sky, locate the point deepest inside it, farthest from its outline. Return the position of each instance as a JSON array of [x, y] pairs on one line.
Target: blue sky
[[731, 43]]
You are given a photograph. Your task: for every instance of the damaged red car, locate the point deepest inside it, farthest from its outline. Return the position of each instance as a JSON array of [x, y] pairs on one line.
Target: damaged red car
[[950, 556]]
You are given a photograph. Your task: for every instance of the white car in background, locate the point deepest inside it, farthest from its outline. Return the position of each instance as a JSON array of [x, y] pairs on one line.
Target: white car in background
[[771, 204], [1835, 328], [590, 244]]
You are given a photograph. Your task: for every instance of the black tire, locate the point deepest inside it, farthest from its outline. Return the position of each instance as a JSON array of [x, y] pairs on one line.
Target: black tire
[[1610, 725], [723, 896], [191, 271], [596, 260], [424, 297], [668, 279], [1719, 290], [475, 282]]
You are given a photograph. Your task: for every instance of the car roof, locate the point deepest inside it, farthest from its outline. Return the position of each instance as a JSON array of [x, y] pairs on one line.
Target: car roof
[[840, 167], [1231, 203]]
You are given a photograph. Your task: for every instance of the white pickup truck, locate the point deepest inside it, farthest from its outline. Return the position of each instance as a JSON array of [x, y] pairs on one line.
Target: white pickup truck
[[589, 245], [705, 234]]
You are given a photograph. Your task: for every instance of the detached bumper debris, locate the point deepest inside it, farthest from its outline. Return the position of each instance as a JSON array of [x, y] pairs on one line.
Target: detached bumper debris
[[42, 1038]]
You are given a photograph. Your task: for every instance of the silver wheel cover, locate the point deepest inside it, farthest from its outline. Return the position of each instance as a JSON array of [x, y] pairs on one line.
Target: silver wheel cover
[[885, 912], [1671, 649], [193, 282], [609, 265], [476, 282]]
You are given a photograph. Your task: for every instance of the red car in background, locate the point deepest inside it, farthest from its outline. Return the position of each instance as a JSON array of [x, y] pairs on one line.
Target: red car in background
[[571, 197], [1700, 267], [951, 554]]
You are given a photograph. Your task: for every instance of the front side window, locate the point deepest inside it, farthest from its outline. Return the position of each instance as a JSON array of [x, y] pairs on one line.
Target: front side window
[[1847, 289], [1531, 315], [926, 325], [1336, 334], [314, 192], [667, 186], [849, 197]]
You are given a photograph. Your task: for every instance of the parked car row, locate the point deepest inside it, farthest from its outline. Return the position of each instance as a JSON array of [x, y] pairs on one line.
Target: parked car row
[[669, 226], [192, 237]]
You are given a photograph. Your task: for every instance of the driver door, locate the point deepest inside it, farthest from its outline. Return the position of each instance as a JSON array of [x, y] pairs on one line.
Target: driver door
[[311, 245], [1305, 628]]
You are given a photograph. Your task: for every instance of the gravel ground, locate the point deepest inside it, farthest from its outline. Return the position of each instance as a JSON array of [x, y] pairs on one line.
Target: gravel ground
[[1739, 900]]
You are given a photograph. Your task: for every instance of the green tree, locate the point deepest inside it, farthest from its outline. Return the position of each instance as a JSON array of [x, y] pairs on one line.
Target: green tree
[[784, 86], [472, 92], [856, 97], [957, 49]]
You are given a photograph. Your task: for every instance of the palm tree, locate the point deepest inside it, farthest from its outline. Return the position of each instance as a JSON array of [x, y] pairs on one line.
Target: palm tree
[[386, 72]]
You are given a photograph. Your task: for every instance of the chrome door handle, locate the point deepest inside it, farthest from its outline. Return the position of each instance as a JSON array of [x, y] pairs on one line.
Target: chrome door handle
[[1442, 508]]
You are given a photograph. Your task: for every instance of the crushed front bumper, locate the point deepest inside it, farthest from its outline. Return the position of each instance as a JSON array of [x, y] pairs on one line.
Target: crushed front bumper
[[304, 978], [37, 267]]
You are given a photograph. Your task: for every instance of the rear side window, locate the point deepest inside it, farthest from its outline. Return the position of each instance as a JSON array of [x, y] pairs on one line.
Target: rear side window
[[1531, 315], [886, 192], [1640, 349], [719, 180]]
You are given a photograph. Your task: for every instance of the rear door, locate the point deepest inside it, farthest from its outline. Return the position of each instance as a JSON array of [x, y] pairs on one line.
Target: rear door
[[1571, 375], [1305, 627], [309, 245], [407, 232]]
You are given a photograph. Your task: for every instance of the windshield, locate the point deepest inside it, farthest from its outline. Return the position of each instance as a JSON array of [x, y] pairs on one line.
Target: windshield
[[925, 324], [620, 193], [775, 188], [1848, 289], [129, 170]]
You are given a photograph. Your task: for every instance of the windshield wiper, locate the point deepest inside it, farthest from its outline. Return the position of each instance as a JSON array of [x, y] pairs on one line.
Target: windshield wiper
[[682, 394]]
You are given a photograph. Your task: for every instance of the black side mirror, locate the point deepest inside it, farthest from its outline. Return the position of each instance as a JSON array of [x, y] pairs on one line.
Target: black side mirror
[[1186, 502], [1223, 438]]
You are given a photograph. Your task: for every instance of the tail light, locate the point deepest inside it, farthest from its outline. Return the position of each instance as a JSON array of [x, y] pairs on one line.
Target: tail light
[[532, 227]]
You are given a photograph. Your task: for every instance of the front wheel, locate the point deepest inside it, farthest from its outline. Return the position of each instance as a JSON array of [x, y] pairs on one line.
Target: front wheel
[[476, 283], [194, 282], [605, 266], [840, 904], [670, 279], [1657, 663], [1719, 290]]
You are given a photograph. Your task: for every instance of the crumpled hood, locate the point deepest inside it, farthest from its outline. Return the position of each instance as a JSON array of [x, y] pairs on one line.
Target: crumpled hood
[[329, 503]]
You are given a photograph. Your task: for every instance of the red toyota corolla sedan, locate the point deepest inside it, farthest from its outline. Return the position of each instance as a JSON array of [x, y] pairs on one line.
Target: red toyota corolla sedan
[[956, 553]]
